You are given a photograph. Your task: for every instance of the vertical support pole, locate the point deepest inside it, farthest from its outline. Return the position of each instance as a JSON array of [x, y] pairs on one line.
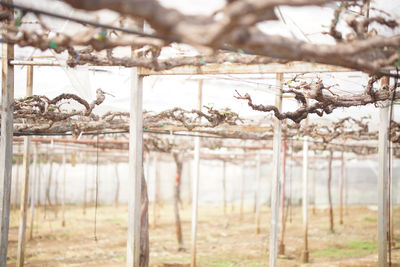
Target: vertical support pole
[[331, 222], [195, 184], [135, 170], [346, 192], [39, 183], [116, 196], [16, 177], [156, 200], [258, 189], [275, 188], [6, 110], [64, 162], [305, 253], [242, 190], [341, 177], [281, 248], [25, 181], [314, 196], [147, 166], [383, 182], [33, 192], [224, 185], [391, 237], [233, 192], [189, 184], [85, 189]]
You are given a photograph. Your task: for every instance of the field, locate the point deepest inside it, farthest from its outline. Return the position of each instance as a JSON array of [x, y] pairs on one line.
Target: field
[[222, 240]]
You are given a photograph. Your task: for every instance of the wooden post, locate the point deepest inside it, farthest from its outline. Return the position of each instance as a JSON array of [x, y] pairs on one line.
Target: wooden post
[[281, 248], [189, 184], [147, 165], [178, 226], [224, 186], [195, 184], [275, 188], [16, 177], [391, 237], [341, 177], [85, 189], [258, 189], [305, 253], [135, 170], [48, 187], [331, 223], [116, 196], [156, 200], [33, 192], [242, 190], [346, 193], [233, 192], [39, 183], [64, 162], [6, 135], [383, 182], [25, 182], [313, 191]]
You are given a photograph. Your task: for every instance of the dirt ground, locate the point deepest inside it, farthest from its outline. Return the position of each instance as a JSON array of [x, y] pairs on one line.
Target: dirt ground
[[222, 240]]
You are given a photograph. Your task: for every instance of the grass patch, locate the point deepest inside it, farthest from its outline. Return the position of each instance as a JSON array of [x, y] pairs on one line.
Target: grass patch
[[370, 219], [12, 261], [230, 261], [363, 246], [182, 259], [116, 220], [352, 249]]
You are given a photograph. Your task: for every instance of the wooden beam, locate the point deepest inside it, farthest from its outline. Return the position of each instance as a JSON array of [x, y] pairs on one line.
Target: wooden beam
[[6, 110], [195, 184], [41, 63], [25, 182], [291, 67], [275, 187], [135, 170], [222, 128], [383, 181]]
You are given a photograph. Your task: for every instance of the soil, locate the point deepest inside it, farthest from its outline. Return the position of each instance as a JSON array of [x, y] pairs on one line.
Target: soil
[[223, 240]]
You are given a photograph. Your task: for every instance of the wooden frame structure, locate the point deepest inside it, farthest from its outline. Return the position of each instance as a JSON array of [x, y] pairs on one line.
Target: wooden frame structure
[[136, 150], [274, 68]]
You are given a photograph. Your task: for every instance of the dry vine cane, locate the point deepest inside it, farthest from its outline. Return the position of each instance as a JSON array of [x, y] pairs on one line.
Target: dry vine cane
[[323, 102], [234, 30]]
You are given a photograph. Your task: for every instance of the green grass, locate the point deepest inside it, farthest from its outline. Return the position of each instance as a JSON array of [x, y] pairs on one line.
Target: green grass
[[223, 261], [370, 219], [230, 261], [116, 220], [352, 249], [12, 261], [363, 246]]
